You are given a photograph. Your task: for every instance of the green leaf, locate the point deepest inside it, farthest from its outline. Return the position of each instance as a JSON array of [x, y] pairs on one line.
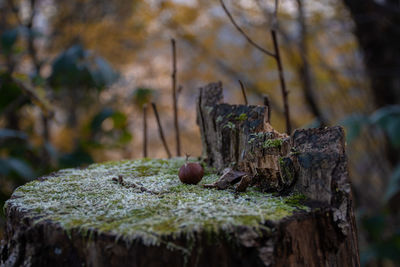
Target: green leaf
[[388, 119], [9, 166], [8, 39], [393, 186], [78, 68], [383, 115], [9, 91], [9, 134], [375, 225], [125, 137], [102, 73], [143, 96], [98, 119], [77, 158], [393, 131], [119, 119], [354, 124]]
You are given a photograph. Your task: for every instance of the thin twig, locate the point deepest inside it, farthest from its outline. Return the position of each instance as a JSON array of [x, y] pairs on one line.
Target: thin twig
[[175, 99], [267, 104], [31, 45], [280, 69], [265, 51], [276, 8], [120, 181], [160, 130], [305, 69], [282, 82], [145, 130], [275, 55], [30, 91], [243, 92], [180, 88]]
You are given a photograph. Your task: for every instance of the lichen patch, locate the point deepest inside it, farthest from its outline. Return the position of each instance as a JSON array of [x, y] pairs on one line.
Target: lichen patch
[[89, 199]]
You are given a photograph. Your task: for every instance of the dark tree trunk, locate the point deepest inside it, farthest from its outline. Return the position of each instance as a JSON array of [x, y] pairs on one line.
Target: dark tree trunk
[[377, 30]]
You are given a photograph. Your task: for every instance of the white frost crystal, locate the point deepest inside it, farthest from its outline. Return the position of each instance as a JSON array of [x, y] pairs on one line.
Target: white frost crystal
[[88, 198]]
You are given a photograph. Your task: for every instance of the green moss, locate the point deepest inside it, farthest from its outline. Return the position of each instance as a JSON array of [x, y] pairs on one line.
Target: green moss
[[242, 117], [270, 143], [295, 200], [89, 199], [229, 125]]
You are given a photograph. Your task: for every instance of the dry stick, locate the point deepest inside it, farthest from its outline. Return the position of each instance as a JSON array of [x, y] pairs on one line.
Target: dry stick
[[160, 130], [145, 130], [280, 70], [243, 92], [282, 82], [275, 55], [267, 104], [227, 69], [305, 69], [276, 9], [175, 100], [243, 33]]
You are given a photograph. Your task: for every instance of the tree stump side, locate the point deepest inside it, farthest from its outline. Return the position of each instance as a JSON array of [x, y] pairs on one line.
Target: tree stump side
[[329, 236], [312, 162], [239, 137]]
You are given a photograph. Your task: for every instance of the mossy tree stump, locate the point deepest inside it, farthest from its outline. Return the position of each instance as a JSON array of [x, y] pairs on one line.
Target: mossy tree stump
[[297, 210]]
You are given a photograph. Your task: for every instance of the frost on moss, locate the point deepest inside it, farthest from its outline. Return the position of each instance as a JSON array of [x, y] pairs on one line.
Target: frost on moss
[[87, 199]]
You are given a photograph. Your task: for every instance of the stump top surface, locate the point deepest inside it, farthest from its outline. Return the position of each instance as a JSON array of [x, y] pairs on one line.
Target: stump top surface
[[157, 205]]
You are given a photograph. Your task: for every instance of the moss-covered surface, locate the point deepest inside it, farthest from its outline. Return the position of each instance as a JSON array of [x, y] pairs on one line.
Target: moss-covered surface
[[89, 199], [269, 143]]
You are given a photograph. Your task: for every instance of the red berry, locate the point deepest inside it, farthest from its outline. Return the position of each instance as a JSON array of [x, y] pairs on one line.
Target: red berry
[[191, 173]]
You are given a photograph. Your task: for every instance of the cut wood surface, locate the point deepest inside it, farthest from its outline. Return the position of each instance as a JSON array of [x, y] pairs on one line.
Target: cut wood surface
[[281, 201]]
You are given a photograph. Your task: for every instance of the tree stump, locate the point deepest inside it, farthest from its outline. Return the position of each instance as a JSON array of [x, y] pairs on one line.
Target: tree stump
[[295, 210]]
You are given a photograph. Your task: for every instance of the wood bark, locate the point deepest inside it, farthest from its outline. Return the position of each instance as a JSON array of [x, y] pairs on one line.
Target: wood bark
[[239, 136], [305, 239], [312, 162]]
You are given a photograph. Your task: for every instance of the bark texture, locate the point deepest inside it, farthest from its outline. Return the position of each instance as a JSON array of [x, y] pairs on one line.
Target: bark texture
[[238, 136], [311, 161]]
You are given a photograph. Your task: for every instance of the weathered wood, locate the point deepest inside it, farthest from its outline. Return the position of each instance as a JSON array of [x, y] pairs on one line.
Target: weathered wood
[[311, 161], [305, 239], [228, 177], [238, 136]]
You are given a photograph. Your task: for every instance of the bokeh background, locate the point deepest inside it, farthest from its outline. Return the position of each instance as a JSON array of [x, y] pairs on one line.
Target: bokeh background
[[74, 76]]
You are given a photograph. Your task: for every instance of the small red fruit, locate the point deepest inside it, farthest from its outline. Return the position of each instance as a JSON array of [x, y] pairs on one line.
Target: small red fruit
[[191, 173]]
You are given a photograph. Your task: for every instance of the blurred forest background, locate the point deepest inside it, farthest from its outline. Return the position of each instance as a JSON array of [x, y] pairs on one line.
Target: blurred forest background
[[74, 76]]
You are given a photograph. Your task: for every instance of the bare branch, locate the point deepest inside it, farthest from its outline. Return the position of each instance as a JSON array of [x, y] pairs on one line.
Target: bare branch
[[268, 105], [243, 92], [243, 33], [275, 55], [305, 69], [145, 130], [41, 102], [276, 8], [180, 88], [174, 98], [160, 130], [282, 82], [232, 73]]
